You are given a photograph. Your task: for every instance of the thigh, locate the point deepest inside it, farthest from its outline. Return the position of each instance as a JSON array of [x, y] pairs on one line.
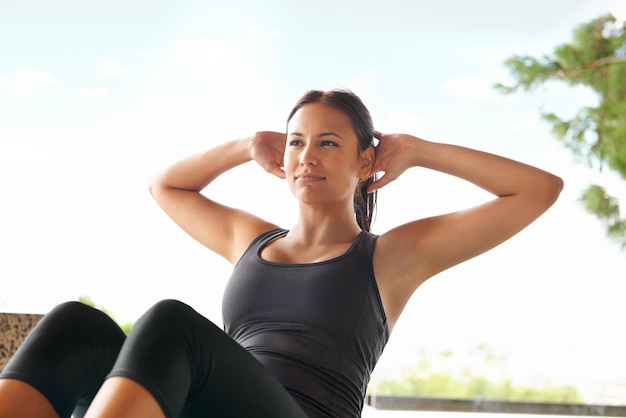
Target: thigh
[[194, 369], [238, 385]]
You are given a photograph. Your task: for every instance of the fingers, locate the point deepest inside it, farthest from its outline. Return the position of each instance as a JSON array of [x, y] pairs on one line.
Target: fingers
[[277, 171], [384, 180]]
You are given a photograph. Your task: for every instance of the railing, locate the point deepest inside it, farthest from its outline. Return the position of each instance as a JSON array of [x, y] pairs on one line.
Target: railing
[[399, 403]]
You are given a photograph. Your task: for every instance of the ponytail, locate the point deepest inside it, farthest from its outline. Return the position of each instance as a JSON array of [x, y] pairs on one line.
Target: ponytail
[[365, 204]]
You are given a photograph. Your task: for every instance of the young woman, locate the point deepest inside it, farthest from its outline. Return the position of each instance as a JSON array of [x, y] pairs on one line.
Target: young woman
[[308, 310]]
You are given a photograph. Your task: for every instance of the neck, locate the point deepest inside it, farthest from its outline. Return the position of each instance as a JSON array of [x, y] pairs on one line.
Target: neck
[[325, 226]]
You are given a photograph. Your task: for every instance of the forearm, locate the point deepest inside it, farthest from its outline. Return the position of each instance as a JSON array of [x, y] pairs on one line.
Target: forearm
[[194, 173], [498, 175]]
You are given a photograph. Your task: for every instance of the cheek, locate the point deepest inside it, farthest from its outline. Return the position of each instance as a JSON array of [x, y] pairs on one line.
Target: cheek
[[289, 161]]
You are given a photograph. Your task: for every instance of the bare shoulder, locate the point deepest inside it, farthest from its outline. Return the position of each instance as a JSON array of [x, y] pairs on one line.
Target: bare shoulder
[[246, 227], [397, 250]]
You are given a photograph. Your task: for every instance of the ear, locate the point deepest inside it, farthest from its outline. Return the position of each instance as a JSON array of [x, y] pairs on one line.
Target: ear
[[366, 158]]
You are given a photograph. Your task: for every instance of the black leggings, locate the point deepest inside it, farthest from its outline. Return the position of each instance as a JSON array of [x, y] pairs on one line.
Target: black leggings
[[190, 366]]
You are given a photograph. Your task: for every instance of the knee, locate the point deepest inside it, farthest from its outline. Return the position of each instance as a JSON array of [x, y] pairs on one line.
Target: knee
[[170, 308], [76, 316], [168, 314], [71, 309], [170, 305], [73, 327], [164, 328]]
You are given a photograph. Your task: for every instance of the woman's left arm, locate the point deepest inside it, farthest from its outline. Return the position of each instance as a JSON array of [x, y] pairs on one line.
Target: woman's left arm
[[421, 249]]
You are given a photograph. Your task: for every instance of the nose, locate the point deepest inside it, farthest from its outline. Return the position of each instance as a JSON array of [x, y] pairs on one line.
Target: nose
[[308, 155]]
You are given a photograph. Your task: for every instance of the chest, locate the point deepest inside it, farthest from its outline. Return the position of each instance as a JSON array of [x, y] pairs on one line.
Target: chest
[[331, 295], [283, 252]]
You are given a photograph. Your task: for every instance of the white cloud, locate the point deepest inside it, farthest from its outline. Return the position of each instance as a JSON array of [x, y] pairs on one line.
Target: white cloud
[[233, 71], [478, 86], [24, 82], [142, 53], [211, 57], [111, 67], [363, 81], [94, 93], [402, 121]]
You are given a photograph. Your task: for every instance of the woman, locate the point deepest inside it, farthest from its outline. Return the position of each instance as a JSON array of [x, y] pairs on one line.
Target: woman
[[307, 310]]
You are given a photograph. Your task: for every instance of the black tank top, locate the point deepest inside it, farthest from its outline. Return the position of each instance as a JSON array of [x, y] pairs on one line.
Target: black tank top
[[319, 327]]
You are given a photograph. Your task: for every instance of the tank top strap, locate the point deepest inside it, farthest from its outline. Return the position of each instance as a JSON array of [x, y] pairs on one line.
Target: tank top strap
[[265, 237], [261, 240], [365, 244]]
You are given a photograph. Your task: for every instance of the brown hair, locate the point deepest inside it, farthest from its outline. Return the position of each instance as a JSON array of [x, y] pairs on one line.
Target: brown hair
[[350, 104]]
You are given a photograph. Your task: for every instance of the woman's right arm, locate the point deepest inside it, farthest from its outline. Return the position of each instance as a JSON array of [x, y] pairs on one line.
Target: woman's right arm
[[225, 230]]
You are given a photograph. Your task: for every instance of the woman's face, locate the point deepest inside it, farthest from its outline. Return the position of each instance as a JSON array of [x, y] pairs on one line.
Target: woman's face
[[322, 159]]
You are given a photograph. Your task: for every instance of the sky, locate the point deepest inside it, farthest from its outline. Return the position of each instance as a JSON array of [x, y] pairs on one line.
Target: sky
[[96, 97]]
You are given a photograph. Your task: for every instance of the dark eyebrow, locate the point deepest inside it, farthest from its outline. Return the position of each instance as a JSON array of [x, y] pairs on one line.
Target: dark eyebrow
[[321, 135]]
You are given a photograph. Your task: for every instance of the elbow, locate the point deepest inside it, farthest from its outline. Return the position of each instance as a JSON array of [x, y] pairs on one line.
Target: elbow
[[155, 185], [557, 184], [551, 188], [152, 186]]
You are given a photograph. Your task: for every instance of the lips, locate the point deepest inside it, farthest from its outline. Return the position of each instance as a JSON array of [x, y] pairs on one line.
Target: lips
[[309, 177]]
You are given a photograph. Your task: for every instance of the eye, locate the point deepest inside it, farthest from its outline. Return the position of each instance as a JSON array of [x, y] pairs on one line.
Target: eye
[[327, 143], [295, 143]]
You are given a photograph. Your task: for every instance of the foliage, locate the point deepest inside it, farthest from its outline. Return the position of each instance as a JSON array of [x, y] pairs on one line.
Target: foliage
[[594, 58], [126, 327], [426, 380]]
